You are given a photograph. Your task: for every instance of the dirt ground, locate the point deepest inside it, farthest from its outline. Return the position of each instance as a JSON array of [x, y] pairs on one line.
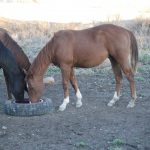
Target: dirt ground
[[95, 126]]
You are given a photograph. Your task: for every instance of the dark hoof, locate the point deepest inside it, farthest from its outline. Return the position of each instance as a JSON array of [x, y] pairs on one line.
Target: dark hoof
[[28, 109], [26, 100]]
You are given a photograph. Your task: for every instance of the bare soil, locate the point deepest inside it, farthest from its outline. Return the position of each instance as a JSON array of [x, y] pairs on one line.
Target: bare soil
[[95, 126]]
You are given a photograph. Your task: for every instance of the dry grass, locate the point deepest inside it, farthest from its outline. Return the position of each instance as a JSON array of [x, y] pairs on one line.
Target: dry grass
[[141, 28], [32, 36]]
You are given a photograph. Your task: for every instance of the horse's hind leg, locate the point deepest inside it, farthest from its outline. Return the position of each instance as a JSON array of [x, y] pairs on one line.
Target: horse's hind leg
[[74, 84], [65, 79], [130, 76], [7, 86], [118, 77]]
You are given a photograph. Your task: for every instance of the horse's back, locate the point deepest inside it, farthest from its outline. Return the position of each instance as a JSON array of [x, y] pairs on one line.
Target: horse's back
[[94, 34]]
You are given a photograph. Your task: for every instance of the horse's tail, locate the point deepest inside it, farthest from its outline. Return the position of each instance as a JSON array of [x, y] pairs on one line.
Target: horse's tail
[[134, 52]]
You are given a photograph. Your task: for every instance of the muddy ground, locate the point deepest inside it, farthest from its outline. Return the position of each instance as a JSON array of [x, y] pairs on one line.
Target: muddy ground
[[95, 126]]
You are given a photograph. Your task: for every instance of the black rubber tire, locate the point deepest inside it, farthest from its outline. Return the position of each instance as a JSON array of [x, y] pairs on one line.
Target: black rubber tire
[[27, 109]]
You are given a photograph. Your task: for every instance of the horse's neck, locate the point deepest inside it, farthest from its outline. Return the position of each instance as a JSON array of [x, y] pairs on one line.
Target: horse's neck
[[43, 60], [11, 70], [7, 60], [9, 64], [20, 56], [10, 67]]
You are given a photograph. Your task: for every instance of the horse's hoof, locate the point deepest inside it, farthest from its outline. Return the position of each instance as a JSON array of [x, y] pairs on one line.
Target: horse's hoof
[[78, 104], [62, 107], [131, 104], [110, 104]]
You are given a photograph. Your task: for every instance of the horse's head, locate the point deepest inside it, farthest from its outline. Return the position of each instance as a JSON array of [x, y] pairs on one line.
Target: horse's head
[[35, 86]]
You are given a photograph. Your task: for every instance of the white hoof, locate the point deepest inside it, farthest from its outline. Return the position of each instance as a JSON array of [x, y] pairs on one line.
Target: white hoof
[[62, 107], [131, 104], [112, 102], [79, 104]]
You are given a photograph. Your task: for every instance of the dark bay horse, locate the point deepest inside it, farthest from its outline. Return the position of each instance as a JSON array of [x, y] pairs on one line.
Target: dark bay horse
[[14, 74], [21, 58], [86, 48]]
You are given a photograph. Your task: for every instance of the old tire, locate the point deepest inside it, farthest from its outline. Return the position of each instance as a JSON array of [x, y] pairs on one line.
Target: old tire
[[27, 109]]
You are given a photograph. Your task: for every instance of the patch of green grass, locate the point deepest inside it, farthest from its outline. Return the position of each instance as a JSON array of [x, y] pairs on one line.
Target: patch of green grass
[[118, 142], [141, 69], [52, 70], [140, 79], [144, 69], [144, 58], [81, 144]]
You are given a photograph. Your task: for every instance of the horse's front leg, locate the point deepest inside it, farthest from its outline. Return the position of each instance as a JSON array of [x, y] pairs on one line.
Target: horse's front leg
[[74, 84], [7, 85], [65, 78]]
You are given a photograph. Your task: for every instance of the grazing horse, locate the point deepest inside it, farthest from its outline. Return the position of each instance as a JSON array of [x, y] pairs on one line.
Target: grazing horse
[[14, 74], [21, 58], [86, 48]]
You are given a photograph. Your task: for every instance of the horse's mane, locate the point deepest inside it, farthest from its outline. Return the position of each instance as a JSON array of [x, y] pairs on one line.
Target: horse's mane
[[19, 54], [43, 59], [8, 61]]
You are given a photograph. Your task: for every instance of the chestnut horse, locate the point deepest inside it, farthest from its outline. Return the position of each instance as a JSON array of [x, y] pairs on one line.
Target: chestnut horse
[[21, 58], [86, 48]]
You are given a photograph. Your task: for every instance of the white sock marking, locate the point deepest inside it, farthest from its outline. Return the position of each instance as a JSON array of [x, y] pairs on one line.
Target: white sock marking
[[78, 94], [63, 106], [79, 97], [114, 100], [131, 104]]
